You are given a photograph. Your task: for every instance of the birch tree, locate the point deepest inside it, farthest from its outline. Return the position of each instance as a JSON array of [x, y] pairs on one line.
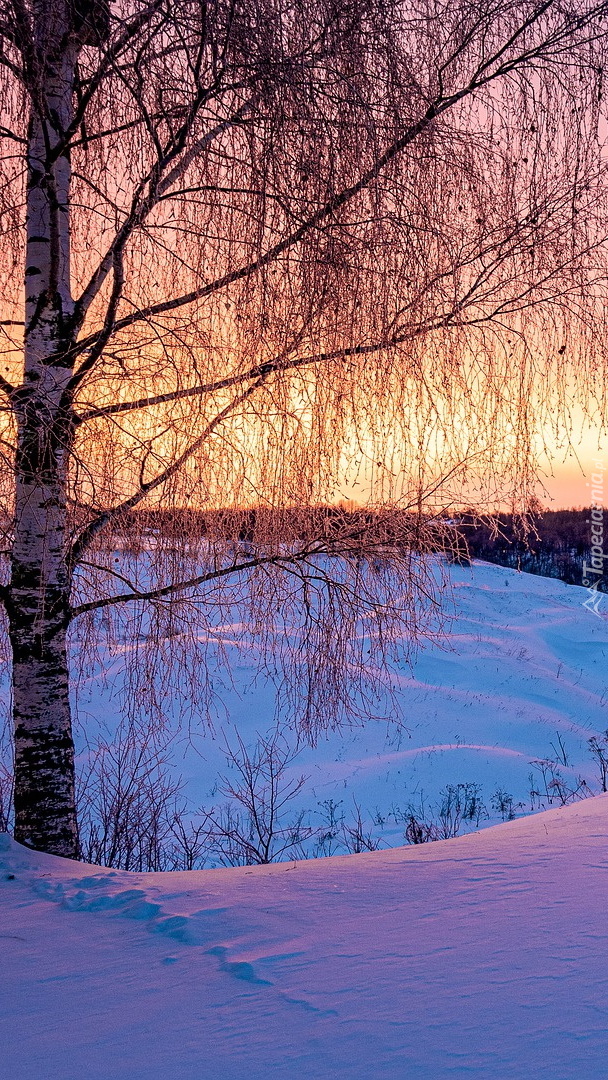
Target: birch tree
[[249, 248]]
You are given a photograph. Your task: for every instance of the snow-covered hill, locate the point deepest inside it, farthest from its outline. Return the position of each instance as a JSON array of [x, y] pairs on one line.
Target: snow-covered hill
[[524, 667], [484, 956]]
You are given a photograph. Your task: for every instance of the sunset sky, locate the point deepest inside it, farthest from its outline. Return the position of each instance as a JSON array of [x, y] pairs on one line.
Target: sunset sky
[[568, 476]]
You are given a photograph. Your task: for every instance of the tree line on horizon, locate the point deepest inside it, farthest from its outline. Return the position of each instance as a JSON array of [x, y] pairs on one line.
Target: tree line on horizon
[[548, 543], [552, 543]]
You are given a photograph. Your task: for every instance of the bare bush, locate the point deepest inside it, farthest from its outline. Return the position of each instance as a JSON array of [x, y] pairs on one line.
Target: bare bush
[[357, 837], [130, 808], [460, 804], [135, 818], [330, 830], [598, 746], [336, 835], [548, 786], [418, 831], [187, 849], [251, 827], [502, 803]]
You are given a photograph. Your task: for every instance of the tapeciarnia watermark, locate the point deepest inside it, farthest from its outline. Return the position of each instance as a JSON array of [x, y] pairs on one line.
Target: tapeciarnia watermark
[[593, 572]]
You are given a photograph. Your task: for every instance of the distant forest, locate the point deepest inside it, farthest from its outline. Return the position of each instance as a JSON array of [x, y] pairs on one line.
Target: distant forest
[[557, 543]]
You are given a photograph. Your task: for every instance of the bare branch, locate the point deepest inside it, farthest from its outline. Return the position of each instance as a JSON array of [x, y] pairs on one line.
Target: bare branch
[[141, 209], [182, 586], [437, 108], [107, 517]]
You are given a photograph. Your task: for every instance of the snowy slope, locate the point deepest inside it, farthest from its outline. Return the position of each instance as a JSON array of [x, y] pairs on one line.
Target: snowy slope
[[484, 956], [524, 663]]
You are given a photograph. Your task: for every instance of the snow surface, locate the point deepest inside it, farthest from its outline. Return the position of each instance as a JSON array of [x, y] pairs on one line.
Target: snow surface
[[484, 956], [524, 662]]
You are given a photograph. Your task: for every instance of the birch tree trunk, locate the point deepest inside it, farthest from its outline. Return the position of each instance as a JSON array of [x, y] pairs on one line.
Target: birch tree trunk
[[38, 601]]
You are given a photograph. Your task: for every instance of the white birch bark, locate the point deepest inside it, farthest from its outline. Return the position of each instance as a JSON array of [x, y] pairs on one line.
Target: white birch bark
[[38, 599]]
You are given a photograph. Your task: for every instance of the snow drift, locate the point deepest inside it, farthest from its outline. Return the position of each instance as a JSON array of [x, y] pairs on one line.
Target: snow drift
[[483, 956]]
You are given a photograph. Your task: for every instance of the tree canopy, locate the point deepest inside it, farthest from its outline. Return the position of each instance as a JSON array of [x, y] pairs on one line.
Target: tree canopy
[[254, 252]]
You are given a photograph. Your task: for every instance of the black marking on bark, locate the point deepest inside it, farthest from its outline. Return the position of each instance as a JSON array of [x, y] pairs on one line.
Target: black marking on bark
[[35, 178]]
